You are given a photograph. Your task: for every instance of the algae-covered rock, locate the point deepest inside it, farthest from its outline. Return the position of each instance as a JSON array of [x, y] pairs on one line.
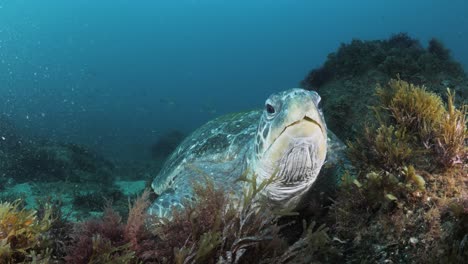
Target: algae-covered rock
[[347, 79], [26, 158], [407, 201], [52, 161]]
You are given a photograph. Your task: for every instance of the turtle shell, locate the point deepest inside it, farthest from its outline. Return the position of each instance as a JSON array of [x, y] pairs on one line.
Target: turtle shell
[[219, 150]]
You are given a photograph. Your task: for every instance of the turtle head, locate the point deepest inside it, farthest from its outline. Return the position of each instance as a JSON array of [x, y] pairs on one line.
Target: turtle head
[[290, 145]]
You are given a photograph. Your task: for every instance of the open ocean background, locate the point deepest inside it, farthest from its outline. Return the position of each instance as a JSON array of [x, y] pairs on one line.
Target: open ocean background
[[116, 75]]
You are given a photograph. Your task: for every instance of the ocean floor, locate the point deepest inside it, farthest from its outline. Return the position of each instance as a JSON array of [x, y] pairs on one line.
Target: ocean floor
[[65, 193]]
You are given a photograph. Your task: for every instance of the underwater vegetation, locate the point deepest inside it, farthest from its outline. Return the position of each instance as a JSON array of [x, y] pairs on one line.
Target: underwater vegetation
[[347, 79], [213, 229], [400, 54], [413, 126], [407, 202], [23, 233]]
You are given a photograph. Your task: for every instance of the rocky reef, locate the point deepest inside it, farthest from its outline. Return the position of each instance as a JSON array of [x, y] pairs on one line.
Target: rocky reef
[[407, 203], [39, 159], [347, 79], [35, 168]]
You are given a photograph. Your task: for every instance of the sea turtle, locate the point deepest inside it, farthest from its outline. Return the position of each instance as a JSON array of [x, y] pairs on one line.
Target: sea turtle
[[288, 137]]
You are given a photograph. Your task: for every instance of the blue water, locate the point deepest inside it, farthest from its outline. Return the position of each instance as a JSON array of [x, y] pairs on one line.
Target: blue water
[[115, 75]]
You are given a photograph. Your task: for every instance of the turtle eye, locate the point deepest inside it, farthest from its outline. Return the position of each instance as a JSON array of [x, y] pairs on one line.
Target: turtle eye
[[270, 109]]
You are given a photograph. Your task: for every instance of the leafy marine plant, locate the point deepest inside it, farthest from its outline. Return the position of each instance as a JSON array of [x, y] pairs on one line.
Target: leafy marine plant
[[221, 228], [451, 135], [99, 240], [415, 133], [412, 165], [22, 232], [412, 107], [109, 240], [217, 227], [440, 129], [415, 127], [388, 148]]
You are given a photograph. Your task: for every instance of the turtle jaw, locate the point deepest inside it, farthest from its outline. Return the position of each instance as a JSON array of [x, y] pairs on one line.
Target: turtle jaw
[[287, 197], [298, 150], [295, 157]]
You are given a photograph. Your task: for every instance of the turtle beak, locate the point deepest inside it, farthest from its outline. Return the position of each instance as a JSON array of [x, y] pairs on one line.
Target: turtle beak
[[319, 124], [304, 120]]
